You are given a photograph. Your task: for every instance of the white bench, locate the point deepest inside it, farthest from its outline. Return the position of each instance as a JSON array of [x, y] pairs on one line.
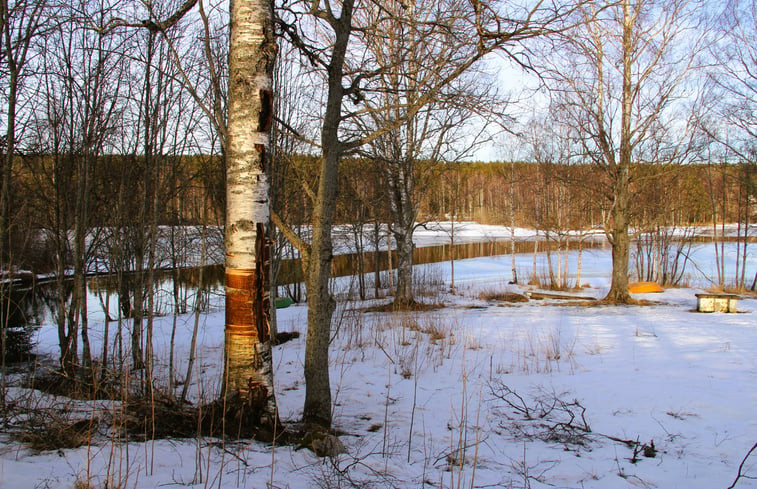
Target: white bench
[[714, 302]]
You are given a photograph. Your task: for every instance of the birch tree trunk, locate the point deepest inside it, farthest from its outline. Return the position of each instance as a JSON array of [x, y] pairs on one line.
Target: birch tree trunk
[[248, 375]]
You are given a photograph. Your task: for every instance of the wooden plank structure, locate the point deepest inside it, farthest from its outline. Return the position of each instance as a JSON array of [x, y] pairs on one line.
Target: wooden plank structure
[[716, 302], [557, 295]]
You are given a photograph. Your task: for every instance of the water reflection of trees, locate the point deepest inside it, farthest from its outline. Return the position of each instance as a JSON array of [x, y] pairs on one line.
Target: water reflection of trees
[[21, 312]]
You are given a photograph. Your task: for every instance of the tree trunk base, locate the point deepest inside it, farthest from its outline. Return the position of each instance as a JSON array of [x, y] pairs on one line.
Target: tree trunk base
[[619, 299], [238, 418], [322, 442]]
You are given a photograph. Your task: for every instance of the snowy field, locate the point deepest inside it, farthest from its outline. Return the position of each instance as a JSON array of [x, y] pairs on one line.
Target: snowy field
[[474, 394]]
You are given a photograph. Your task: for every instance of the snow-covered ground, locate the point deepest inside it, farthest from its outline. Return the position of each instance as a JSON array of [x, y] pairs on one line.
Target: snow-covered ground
[[474, 394]]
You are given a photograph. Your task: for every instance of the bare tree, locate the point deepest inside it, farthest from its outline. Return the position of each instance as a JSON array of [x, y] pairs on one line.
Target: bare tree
[[332, 38], [20, 22], [730, 122], [442, 129], [617, 80], [74, 127]]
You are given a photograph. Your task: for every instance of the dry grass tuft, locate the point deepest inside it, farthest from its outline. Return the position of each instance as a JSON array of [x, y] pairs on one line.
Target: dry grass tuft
[[160, 419], [80, 385], [48, 430], [731, 289], [435, 328], [414, 306]]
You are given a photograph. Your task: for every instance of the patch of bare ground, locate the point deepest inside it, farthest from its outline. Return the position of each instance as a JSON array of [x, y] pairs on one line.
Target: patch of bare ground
[[631, 302], [146, 419], [81, 384], [502, 297], [413, 306], [285, 336], [744, 292], [602, 303]]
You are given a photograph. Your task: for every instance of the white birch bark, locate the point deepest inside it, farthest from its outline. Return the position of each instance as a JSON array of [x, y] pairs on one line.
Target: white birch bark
[[248, 373]]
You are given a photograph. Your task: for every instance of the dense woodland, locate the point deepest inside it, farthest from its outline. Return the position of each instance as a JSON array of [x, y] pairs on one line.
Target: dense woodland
[[544, 196], [122, 117]]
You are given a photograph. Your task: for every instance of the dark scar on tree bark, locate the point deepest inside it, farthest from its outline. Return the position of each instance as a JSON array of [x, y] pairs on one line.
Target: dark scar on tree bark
[[266, 110], [261, 300]]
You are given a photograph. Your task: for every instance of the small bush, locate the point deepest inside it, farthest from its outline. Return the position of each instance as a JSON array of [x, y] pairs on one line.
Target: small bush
[[37, 253], [428, 281], [163, 418], [18, 310], [79, 384], [16, 343]]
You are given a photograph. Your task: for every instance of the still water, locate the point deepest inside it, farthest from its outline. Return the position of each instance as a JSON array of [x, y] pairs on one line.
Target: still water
[[34, 304]]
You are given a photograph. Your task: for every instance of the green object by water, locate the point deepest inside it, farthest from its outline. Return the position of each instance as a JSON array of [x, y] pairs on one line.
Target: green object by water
[[282, 302]]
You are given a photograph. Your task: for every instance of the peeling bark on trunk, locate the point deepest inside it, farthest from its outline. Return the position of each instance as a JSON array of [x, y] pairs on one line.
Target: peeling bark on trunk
[[248, 395]]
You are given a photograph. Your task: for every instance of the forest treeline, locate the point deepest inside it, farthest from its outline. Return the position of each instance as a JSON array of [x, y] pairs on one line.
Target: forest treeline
[[542, 196]]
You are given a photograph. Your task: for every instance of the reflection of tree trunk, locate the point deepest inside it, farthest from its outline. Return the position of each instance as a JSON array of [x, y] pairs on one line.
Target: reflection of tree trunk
[[452, 254], [105, 302], [579, 259], [534, 272], [67, 355], [71, 360], [80, 230], [124, 301], [359, 263], [512, 222], [548, 244], [566, 261], [137, 312], [197, 310], [390, 265]]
